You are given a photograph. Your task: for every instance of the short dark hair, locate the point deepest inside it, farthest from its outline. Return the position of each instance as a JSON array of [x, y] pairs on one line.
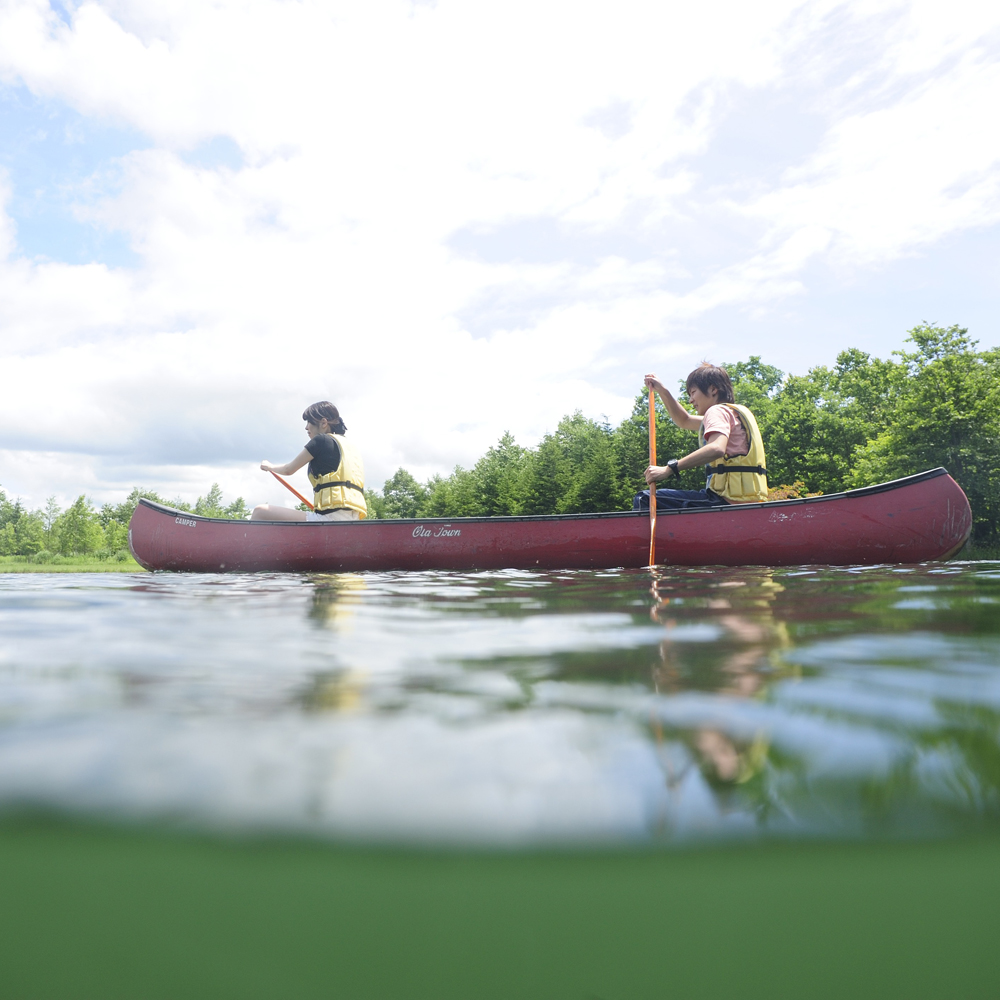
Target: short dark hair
[[706, 375], [317, 411]]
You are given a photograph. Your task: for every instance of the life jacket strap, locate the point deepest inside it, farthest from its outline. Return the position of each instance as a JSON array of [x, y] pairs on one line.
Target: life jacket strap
[[717, 470], [325, 486]]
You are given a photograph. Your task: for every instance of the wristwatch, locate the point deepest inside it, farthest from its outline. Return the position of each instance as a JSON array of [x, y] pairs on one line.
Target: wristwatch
[[672, 466]]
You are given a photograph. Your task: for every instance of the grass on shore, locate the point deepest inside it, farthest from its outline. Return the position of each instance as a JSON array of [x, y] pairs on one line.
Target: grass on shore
[[69, 564], [104, 912], [975, 552]]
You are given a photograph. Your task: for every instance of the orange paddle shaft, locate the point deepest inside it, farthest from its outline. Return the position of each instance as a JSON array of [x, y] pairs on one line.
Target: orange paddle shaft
[[652, 486], [291, 489]]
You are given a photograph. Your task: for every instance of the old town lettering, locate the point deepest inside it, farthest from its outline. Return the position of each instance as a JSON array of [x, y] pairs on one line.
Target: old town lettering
[[443, 531]]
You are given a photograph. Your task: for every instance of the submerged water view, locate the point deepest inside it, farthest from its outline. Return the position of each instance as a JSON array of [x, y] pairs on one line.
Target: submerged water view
[[510, 708]]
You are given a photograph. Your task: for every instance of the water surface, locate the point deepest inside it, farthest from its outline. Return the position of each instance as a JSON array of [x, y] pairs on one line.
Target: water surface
[[510, 707]]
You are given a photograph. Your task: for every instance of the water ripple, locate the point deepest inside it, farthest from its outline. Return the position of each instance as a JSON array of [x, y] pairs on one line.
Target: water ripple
[[509, 707]]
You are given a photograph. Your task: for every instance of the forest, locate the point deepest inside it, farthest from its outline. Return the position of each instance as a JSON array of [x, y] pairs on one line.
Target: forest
[[862, 421]]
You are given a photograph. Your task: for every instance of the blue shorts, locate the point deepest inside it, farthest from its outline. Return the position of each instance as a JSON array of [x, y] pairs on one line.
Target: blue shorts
[[679, 499]]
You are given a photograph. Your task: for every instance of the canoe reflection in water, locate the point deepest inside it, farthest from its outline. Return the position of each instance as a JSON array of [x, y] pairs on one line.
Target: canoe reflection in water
[[738, 663]]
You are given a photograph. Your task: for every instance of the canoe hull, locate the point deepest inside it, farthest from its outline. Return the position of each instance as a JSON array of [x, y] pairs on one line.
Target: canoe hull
[[916, 519]]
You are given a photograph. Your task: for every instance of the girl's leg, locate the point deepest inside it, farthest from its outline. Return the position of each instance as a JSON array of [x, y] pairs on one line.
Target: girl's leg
[[272, 512]]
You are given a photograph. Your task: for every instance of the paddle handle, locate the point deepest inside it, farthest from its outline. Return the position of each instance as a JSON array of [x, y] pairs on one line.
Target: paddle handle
[[652, 486], [291, 489]]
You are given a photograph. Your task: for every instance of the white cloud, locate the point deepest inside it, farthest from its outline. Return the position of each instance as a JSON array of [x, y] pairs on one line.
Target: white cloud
[[370, 134], [891, 179]]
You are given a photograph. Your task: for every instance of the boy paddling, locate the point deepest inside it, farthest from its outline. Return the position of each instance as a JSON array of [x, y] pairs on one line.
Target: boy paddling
[[731, 448]]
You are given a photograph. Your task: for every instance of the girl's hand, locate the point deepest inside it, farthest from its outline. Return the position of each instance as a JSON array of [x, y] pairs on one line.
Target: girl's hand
[[267, 466], [652, 382]]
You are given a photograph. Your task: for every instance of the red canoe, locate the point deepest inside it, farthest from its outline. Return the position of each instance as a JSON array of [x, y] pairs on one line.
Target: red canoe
[[908, 520]]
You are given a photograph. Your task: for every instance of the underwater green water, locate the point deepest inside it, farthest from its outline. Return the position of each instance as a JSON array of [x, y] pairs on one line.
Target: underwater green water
[[108, 913]]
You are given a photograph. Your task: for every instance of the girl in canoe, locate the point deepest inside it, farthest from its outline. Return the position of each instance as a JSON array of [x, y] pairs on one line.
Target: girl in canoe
[[731, 448], [335, 470]]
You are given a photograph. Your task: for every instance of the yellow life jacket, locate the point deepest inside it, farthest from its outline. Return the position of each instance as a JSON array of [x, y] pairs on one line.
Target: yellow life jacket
[[345, 486], [740, 478]]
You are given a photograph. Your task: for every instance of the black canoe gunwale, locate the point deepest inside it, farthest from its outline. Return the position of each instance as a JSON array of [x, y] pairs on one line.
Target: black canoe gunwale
[[864, 491]]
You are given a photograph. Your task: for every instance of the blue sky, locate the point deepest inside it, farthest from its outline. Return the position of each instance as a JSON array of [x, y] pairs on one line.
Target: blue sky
[[456, 220], [54, 160]]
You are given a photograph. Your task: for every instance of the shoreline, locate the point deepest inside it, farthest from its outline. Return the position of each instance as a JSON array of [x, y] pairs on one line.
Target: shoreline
[[69, 564]]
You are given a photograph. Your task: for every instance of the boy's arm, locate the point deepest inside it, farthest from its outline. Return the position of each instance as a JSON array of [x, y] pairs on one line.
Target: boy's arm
[[681, 417], [715, 449]]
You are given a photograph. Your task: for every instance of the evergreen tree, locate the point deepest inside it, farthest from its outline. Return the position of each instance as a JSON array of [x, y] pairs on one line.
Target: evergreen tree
[[587, 458], [50, 514], [237, 510], [402, 495], [498, 477], [77, 531], [544, 478], [211, 505], [22, 532], [375, 503], [122, 513]]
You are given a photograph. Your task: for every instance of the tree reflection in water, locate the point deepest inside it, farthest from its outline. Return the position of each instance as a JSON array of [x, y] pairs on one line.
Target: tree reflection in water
[[875, 691]]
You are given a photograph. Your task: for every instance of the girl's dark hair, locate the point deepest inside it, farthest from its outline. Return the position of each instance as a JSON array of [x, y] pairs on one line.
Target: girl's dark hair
[[315, 413], [706, 375]]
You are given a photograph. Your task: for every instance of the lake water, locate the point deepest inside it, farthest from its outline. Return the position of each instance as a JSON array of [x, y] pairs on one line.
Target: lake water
[[510, 707]]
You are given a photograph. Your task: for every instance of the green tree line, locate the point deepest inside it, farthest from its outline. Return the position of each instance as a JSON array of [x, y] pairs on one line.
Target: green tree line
[[82, 529], [860, 422]]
